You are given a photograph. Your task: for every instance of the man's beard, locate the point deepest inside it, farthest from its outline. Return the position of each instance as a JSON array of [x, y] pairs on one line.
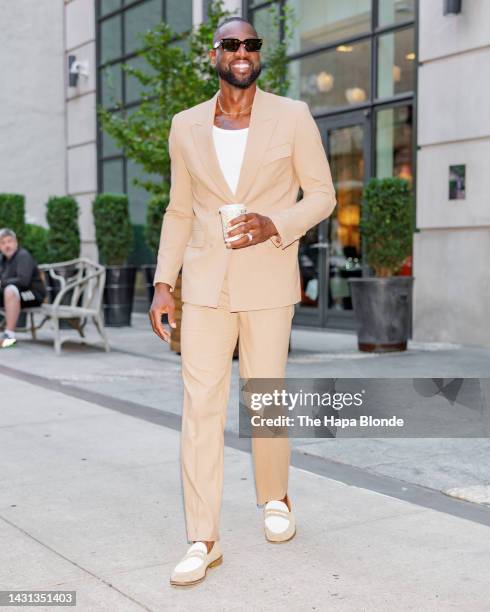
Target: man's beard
[[229, 77]]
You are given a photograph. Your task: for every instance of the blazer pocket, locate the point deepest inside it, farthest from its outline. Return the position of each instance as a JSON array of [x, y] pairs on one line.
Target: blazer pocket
[[197, 239], [277, 152]]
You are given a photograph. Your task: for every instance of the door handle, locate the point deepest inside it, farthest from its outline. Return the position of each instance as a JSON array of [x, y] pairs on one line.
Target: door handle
[[320, 245]]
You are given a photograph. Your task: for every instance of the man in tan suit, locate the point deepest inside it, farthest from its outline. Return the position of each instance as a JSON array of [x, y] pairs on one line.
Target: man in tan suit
[[245, 146]]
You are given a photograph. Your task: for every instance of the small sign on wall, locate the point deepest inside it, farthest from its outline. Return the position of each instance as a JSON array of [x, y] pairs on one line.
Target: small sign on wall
[[457, 182]]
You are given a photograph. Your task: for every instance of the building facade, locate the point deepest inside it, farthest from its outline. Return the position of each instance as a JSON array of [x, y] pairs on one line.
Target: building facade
[[452, 244], [397, 89], [354, 63]]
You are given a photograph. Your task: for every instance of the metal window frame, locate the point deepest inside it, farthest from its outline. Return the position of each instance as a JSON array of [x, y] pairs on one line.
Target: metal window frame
[[374, 103], [369, 109], [373, 34]]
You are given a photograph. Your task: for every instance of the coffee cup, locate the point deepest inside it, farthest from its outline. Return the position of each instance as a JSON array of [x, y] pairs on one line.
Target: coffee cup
[[227, 213]]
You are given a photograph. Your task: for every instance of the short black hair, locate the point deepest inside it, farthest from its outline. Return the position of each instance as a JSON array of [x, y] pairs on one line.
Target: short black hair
[[216, 35]]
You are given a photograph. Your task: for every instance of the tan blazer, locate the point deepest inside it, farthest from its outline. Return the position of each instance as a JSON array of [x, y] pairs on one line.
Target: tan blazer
[[284, 150]]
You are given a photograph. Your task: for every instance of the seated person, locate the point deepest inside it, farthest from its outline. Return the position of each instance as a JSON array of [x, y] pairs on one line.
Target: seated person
[[21, 285]]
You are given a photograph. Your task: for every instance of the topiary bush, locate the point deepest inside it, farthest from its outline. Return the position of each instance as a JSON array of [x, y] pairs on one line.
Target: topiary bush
[[12, 213], [63, 234], [156, 208], [387, 224], [36, 242], [113, 231]]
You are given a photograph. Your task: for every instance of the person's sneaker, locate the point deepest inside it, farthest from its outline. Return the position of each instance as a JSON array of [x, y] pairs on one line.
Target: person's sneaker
[[7, 340]]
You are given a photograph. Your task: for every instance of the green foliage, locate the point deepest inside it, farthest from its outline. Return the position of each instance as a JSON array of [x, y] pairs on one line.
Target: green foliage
[[63, 234], [12, 213], [387, 224], [154, 216], [36, 242], [140, 255], [177, 74], [113, 232], [275, 74]]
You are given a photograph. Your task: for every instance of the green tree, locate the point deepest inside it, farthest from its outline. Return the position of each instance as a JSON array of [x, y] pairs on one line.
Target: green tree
[[176, 75], [275, 76]]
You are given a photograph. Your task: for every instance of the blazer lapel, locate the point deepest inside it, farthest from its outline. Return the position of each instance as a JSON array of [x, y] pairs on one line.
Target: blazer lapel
[[261, 127]]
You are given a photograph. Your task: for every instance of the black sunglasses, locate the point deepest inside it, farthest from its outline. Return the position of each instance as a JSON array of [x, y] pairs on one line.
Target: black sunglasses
[[233, 44]]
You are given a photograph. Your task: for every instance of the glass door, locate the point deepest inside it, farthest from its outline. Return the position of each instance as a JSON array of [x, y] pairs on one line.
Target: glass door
[[330, 253]]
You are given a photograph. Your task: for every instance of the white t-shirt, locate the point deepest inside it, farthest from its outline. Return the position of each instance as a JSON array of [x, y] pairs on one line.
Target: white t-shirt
[[230, 149]]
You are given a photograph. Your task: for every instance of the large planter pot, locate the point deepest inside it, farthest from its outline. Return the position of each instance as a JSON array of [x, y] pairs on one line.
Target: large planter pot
[[383, 311], [118, 295], [148, 275]]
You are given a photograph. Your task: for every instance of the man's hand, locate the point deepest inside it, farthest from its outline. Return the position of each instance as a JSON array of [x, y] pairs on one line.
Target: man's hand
[[260, 226], [163, 302]]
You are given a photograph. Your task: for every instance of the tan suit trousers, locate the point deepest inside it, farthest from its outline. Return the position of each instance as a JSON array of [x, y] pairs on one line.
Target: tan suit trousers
[[208, 339]]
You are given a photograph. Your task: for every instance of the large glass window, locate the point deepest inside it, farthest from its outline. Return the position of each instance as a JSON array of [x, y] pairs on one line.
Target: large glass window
[[346, 145], [333, 47], [111, 85], [134, 88], [110, 39], [394, 142], [108, 147], [325, 21], [396, 63], [395, 11], [108, 6], [354, 63], [113, 176], [266, 21], [334, 78], [121, 24], [179, 15], [205, 7], [354, 54], [138, 20]]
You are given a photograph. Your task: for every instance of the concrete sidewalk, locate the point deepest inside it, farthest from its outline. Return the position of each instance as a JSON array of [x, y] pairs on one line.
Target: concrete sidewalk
[[142, 371], [91, 501]]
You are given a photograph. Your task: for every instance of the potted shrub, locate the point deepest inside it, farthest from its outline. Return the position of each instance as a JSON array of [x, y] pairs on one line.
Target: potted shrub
[[156, 207], [62, 244], [63, 234], [36, 242], [114, 237], [63, 238], [12, 213], [383, 303]]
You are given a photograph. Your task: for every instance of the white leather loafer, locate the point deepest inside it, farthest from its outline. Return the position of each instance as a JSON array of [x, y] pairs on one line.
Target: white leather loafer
[[195, 563], [279, 522]]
